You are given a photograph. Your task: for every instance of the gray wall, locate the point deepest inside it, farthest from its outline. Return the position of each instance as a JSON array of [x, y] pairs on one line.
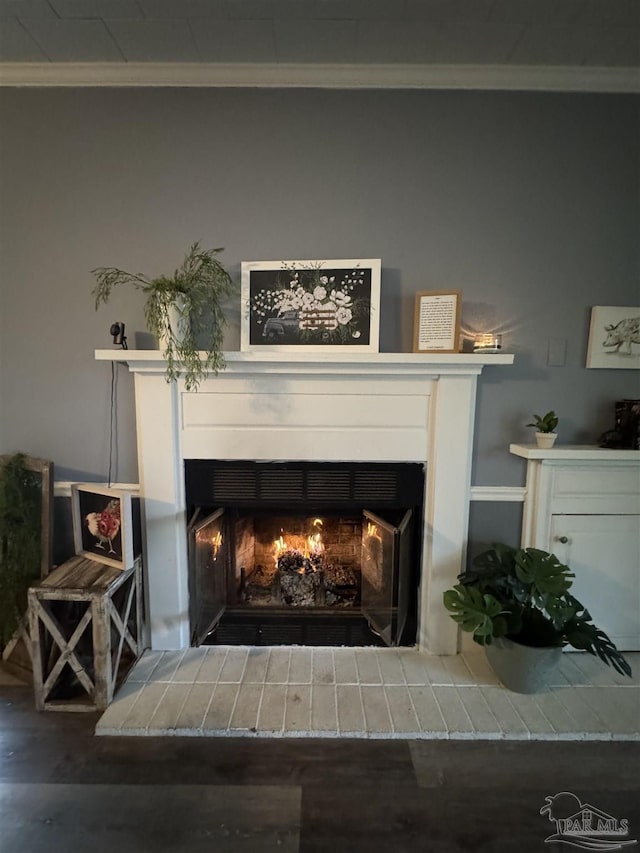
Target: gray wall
[[528, 203]]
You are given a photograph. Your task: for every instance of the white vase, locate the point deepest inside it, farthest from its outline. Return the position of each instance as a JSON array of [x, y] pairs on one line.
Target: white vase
[[179, 324], [545, 440]]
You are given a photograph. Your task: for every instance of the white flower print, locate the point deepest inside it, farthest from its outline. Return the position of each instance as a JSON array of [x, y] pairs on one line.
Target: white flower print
[[344, 316]]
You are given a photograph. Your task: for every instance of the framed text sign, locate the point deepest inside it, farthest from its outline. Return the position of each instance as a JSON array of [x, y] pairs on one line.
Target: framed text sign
[[436, 325]]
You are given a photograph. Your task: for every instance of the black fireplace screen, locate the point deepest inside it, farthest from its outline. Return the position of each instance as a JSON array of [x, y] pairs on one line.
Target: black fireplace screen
[[317, 539]]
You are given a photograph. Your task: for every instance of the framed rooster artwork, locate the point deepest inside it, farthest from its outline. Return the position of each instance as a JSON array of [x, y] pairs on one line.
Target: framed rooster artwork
[[102, 524]]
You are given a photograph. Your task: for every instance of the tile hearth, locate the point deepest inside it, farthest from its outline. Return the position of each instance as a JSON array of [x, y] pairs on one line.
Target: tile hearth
[[371, 693]]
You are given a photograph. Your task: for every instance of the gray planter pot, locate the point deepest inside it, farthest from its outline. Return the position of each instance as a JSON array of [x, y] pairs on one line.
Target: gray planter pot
[[523, 669]]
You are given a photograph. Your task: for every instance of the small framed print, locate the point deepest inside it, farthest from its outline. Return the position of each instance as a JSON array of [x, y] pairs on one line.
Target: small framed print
[[102, 524], [614, 337], [436, 324]]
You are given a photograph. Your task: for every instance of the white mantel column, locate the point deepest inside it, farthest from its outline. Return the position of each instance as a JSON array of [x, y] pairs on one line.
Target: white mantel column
[[447, 507], [162, 487]]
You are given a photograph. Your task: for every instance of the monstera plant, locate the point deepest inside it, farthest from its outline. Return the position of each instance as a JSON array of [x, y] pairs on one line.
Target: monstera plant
[[520, 597]]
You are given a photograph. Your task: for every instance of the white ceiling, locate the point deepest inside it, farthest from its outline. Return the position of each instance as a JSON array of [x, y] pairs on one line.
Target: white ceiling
[[507, 34]]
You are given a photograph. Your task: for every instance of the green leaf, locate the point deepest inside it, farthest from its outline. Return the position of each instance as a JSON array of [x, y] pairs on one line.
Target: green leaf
[[474, 612], [543, 573], [582, 634]]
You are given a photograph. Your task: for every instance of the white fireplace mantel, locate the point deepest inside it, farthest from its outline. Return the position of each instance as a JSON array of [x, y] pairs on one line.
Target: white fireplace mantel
[[376, 407]]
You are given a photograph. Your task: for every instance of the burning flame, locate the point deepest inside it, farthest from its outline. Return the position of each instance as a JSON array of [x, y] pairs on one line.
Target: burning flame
[[279, 547], [314, 541], [312, 545], [372, 530]]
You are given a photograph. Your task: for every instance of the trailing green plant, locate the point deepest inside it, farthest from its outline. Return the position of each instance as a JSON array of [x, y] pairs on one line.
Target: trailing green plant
[[545, 423], [20, 532], [195, 292], [523, 594]]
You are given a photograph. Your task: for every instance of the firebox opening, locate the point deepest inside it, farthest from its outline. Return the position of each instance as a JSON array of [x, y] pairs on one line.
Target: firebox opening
[[297, 561], [304, 553]]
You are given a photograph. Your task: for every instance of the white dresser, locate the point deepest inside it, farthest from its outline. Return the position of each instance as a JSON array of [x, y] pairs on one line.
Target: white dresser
[[583, 504]]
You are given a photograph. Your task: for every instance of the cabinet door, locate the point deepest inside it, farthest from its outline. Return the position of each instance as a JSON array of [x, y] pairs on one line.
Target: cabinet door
[[604, 553]]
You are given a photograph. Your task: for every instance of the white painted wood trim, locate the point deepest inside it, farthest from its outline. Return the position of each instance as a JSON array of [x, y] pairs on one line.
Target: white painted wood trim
[[324, 363], [495, 494], [163, 511], [62, 488], [574, 453], [333, 76], [498, 494], [447, 509]]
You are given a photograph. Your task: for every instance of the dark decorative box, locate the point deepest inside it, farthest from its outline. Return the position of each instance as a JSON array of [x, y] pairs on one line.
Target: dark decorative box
[[626, 433]]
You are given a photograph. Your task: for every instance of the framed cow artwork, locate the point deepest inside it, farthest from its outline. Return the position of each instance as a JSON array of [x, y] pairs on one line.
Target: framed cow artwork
[[614, 337]]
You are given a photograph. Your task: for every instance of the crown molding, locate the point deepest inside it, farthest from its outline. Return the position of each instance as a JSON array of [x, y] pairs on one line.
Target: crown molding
[[280, 75]]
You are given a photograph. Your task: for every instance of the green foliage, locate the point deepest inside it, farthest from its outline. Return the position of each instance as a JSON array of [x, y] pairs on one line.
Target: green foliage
[[20, 527], [546, 423], [477, 613], [196, 290], [523, 594]]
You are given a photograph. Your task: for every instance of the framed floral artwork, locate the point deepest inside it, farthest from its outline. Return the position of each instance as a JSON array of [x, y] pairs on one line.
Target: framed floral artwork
[[102, 524], [311, 305], [614, 337]]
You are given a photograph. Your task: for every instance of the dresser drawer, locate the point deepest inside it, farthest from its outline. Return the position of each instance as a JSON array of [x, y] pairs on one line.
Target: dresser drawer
[[593, 488]]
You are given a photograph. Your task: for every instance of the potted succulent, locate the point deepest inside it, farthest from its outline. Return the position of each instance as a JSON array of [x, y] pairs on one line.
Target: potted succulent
[[516, 603], [545, 425], [179, 308]]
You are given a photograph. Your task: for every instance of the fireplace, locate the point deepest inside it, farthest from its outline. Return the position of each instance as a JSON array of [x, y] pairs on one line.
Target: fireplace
[[317, 407], [303, 552]]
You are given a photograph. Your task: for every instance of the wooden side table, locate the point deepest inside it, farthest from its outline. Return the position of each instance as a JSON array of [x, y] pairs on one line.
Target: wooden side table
[[85, 622]]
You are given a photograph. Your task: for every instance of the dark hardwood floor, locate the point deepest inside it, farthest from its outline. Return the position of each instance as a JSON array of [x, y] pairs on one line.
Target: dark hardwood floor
[[63, 790]]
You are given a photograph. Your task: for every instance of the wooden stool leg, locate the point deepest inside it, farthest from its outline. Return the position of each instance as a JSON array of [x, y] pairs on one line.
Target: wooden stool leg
[[102, 652], [36, 650]]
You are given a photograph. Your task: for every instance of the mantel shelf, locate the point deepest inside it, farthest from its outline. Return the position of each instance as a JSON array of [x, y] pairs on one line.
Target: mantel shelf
[[149, 361], [574, 453]]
